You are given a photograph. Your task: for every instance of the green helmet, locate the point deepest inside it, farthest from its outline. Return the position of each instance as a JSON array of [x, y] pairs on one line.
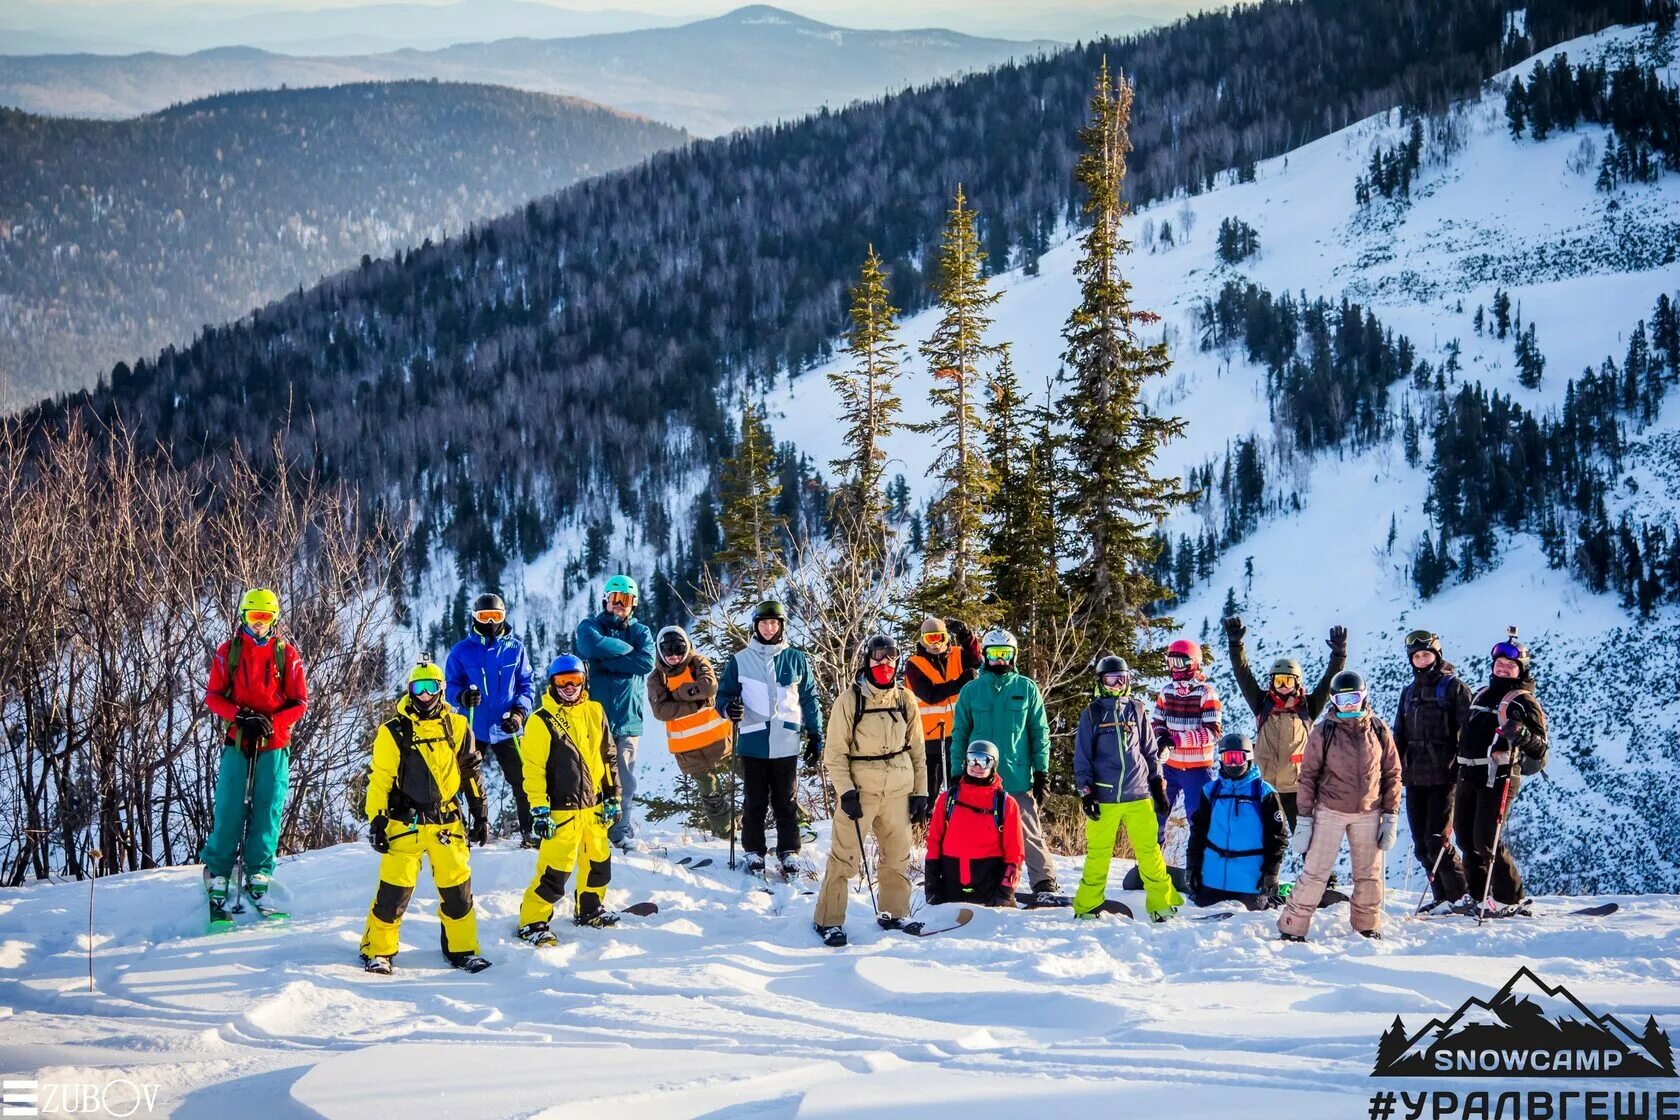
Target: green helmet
[[259, 599], [770, 608], [623, 585]]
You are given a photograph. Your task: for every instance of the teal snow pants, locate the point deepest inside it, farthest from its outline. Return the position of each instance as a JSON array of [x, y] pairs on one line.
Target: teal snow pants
[[261, 832]]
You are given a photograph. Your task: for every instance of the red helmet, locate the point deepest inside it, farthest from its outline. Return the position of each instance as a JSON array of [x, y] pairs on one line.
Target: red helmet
[[1190, 651]]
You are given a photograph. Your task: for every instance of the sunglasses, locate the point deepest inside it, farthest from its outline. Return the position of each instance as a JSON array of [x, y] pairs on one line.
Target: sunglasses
[[1000, 653], [260, 617], [489, 617], [425, 688], [1346, 700], [1281, 681]]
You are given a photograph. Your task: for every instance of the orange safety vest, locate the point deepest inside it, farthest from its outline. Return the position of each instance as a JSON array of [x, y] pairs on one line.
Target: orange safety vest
[[936, 718], [702, 729]]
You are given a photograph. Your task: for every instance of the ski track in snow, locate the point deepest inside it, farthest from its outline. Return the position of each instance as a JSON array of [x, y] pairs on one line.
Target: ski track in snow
[[717, 1002]]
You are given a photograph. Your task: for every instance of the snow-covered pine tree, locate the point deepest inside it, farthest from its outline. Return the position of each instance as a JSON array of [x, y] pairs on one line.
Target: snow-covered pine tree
[[1111, 500], [751, 556], [957, 352], [869, 408], [1021, 535]]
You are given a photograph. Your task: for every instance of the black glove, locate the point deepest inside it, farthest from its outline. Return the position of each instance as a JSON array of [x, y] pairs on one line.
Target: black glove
[[813, 748], [470, 696], [377, 838], [959, 631], [1163, 745], [1338, 641], [1092, 807], [513, 720], [1158, 795], [735, 709], [479, 834], [1193, 879], [918, 809], [850, 805], [1235, 631], [1041, 787]]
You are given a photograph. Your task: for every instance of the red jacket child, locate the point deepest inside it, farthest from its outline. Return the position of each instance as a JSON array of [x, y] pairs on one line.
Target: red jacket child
[[975, 844], [258, 688]]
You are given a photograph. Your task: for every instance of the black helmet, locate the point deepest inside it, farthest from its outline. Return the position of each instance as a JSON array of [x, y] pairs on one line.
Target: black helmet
[[1109, 663], [1420, 641], [1231, 743], [769, 608], [1512, 650], [490, 626], [878, 644], [1345, 683]]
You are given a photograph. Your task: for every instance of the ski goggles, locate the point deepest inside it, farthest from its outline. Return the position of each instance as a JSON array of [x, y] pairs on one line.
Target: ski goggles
[[1284, 682], [999, 653], [1115, 680], [935, 640], [424, 688], [490, 618], [1234, 759], [1420, 639], [566, 681], [674, 649], [620, 599], [1177, 661], [1509, 651], [1348, 701], [883, 654], [978, 764], [260, 618]]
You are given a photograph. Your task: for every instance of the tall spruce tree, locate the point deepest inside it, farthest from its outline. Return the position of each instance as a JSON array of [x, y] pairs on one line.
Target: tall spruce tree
[[1021, 521], [956, 353], [751, 556], [1112, 502], [869, 408]]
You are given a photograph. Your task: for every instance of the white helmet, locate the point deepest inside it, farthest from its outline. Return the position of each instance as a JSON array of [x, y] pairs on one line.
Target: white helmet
[[997, 638]]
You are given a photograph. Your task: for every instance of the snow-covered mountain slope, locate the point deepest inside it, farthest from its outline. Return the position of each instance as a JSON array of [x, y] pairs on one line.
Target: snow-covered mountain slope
[[721, 1005], [1487, 211]]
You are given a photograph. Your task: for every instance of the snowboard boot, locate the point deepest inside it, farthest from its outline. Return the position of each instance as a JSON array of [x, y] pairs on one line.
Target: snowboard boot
[[468, 962], [526, 840], [1371, 934], [591, 913], [790, 865], [832, 936], [1046, 893], [755, 863], [1165, 914], [379, 966], [538, 934], [1292, 937]]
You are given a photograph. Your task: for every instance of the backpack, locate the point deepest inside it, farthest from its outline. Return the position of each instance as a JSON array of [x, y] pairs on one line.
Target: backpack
[[896, 712], [401, 729], [997, 807], [280, 665]]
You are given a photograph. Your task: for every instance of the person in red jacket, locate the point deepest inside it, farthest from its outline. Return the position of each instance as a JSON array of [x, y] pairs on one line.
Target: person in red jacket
[[975, 844], [257, 688]]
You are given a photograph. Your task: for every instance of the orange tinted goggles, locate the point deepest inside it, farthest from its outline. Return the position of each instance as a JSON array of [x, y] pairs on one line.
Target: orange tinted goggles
[[620, 599], [260, 617], [489, 617], [567, 680]]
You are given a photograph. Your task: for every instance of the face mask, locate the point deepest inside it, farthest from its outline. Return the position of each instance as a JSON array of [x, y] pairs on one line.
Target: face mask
[[883, 674]]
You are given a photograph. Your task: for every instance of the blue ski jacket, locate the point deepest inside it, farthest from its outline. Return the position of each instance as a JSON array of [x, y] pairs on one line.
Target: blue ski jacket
[[1114, 753], [620, 656], [502, 671]]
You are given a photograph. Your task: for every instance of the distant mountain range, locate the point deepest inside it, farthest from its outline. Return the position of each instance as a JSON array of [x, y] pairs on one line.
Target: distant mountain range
[[118, 236], [756, 64]]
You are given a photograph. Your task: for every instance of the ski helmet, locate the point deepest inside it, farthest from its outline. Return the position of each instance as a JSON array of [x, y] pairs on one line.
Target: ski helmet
[[1108, 666], [425, 683], [981, 750], [770, 610], [1236, 755], [1184, 658], [999, 649], [1423, 641], [1347, 694], [1512, 650], [567, 669], [622, 585], [673, 642], [934, 631], [1287, 667], [489, 615], [884, 673], [259, 607]]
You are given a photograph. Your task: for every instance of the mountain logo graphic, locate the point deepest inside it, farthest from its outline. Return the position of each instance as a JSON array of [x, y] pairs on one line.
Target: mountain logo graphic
[[1528, 1029]]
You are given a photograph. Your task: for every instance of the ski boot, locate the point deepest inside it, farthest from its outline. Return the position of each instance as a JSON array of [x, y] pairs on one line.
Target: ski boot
[[790, 865], [755, 863], [537, 934], [832, 936], [379, 966], [256, 885], [468, 962], [216, 888]]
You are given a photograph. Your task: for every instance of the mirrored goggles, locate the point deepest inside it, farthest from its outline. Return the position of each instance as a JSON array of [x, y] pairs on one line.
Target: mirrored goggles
[[425, 688], [566, 681], [1283, 682], [260, 618], [490, 618], [1508, 651], [1177, 661], [999, 653], [980, 762], [1234, 759], [620, 599], [933, 641], [1347, 701]]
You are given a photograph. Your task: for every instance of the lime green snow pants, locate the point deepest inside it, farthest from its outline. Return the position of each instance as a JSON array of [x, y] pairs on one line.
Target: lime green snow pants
[[261, 833], [1139, 819]]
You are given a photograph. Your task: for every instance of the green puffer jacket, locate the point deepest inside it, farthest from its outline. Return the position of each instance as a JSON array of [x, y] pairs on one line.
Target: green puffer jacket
[[1007, 709]]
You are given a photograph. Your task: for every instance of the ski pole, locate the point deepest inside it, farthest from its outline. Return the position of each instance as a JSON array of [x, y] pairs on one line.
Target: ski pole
[[863, 858], [250, 795], [1429, 885], [734, 792], [1493, 855]]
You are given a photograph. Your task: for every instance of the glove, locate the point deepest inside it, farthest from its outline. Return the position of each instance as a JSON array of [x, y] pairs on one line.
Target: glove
[[513, 720], [1338, 641], [1088, 802], [1041, 786], [1387, 825], [1158, 795], [1235, 631], [919, 809], [813, 748], [378, 839], [850, 805], [1006, 889], [1193, 878], [470, 696], [1303, 835], [735, 709], [608, 810], [542, 824], [959, 631], [1163, 745], [479, 834]]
